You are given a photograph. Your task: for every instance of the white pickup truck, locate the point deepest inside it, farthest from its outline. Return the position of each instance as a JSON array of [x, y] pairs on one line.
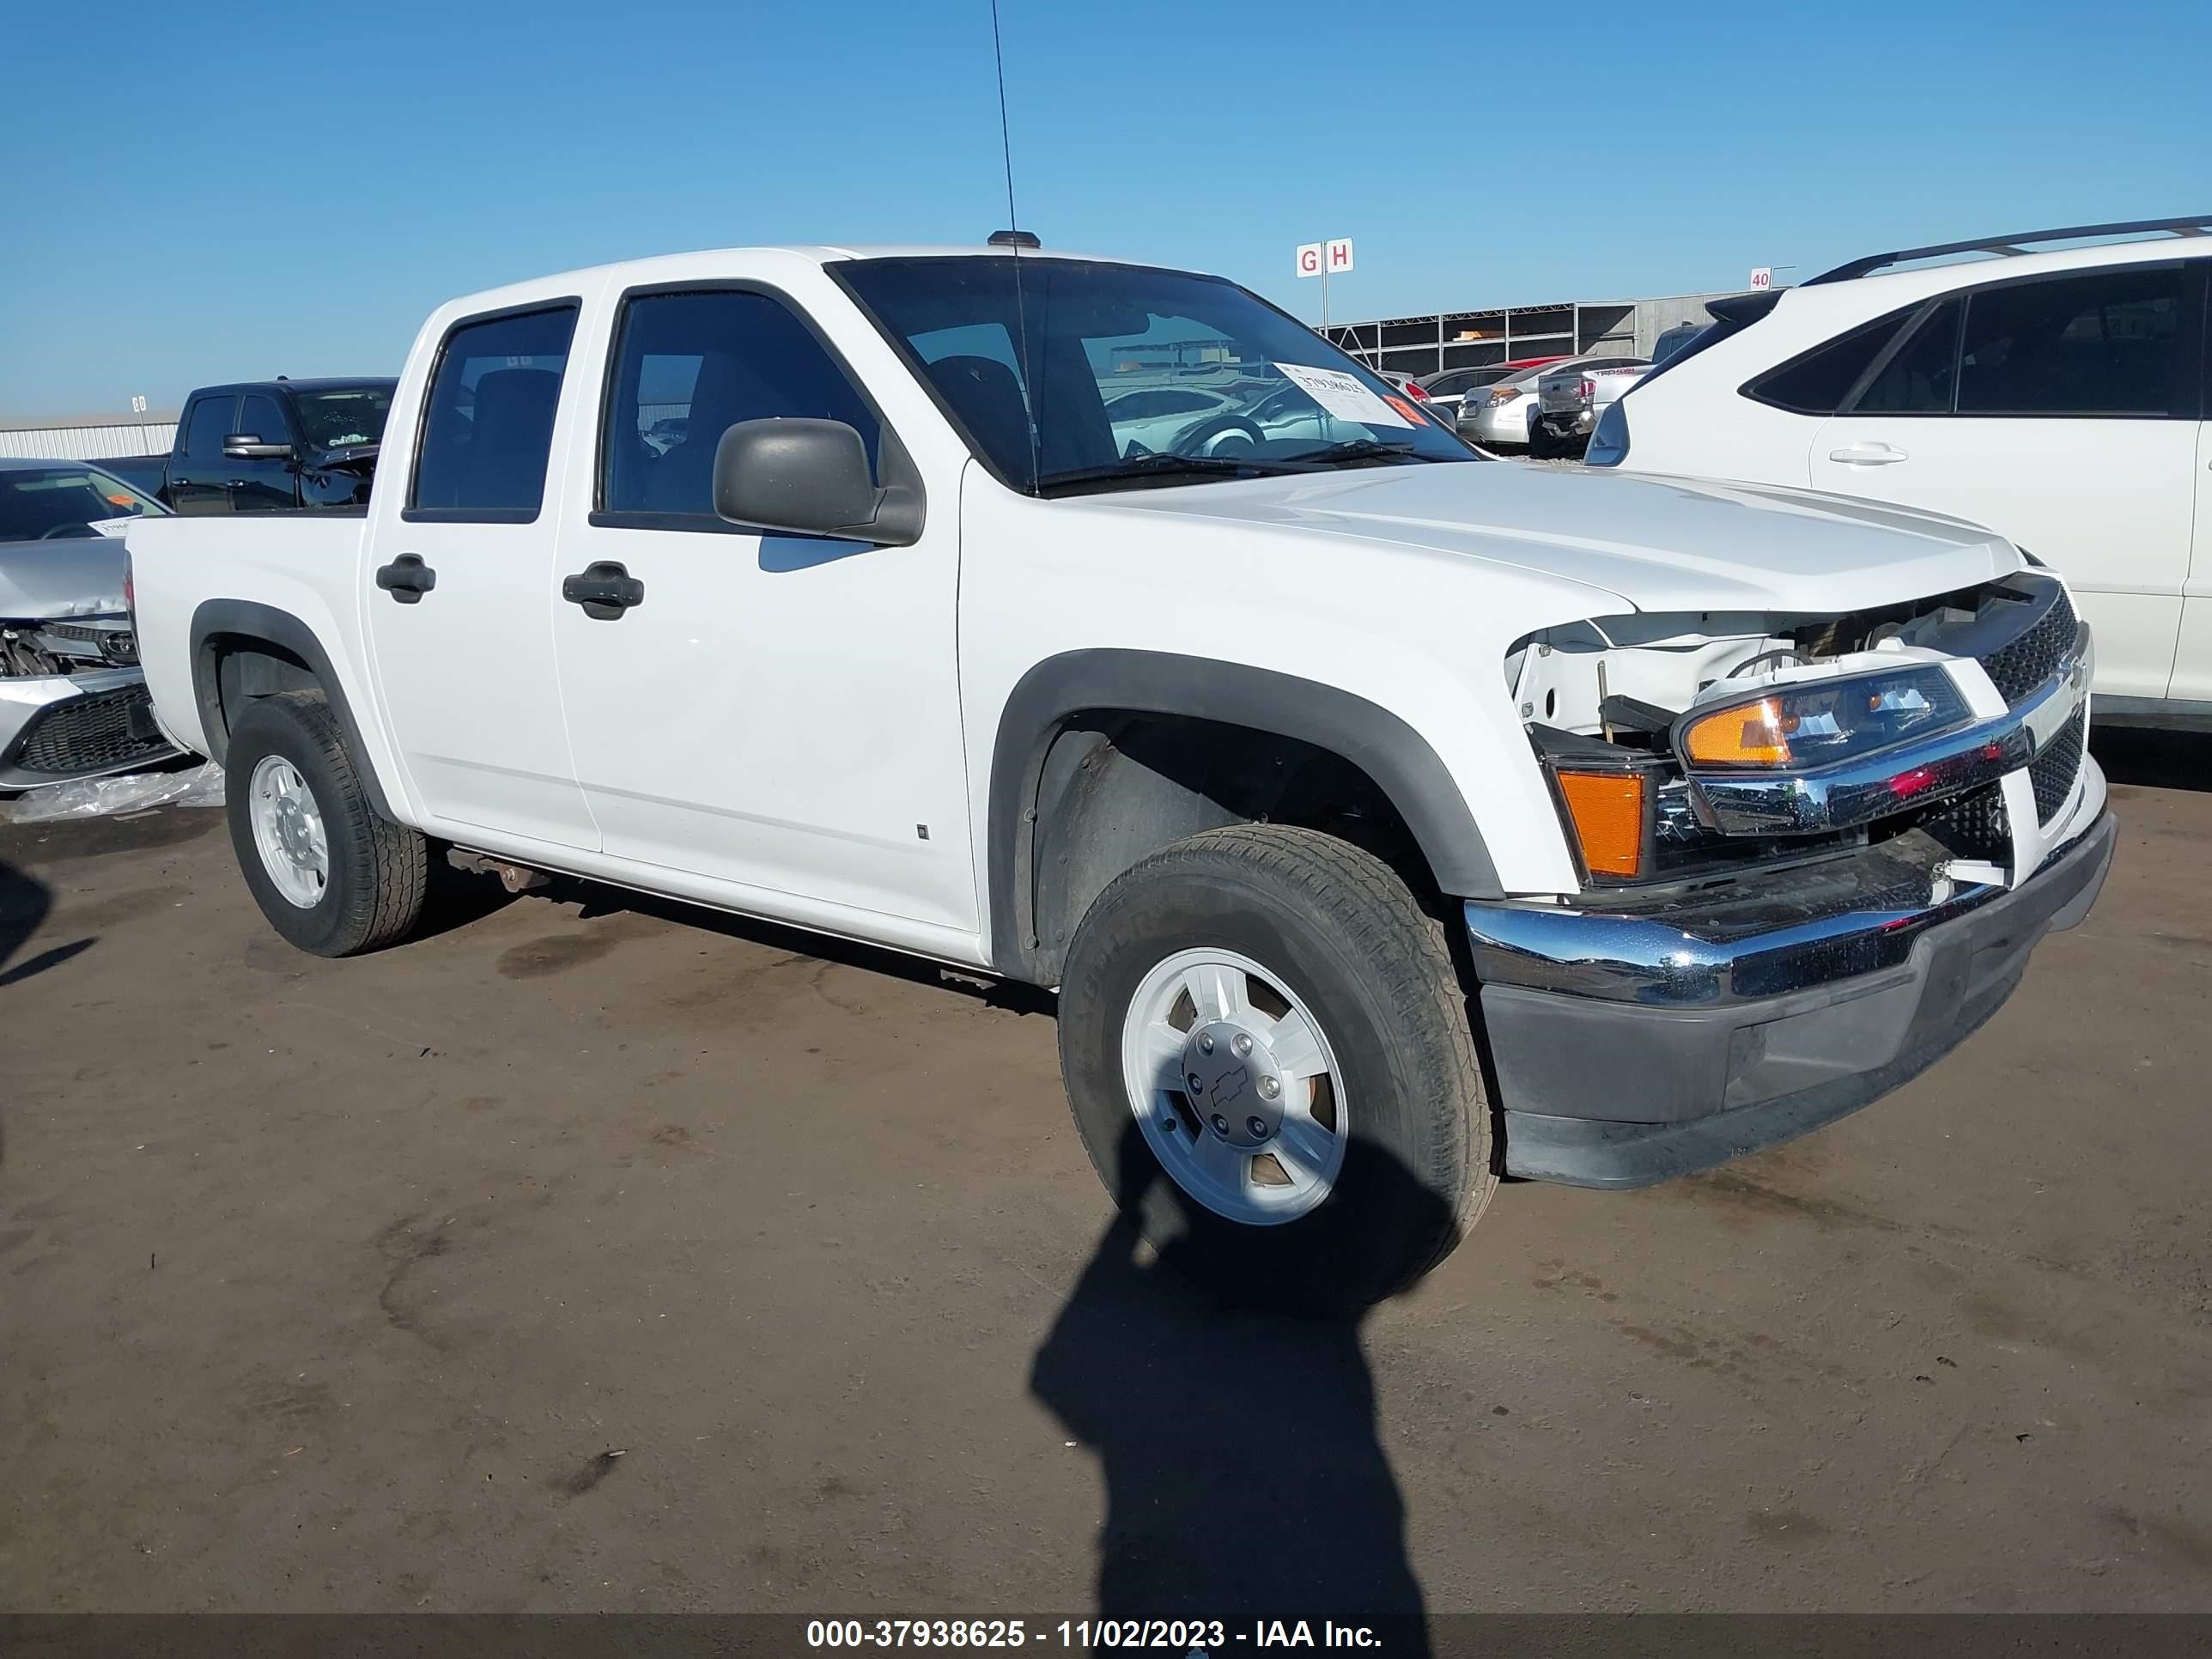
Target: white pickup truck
[[1387, 819]]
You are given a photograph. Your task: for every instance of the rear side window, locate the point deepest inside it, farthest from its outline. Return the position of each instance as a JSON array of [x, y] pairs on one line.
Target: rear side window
[[207, 426], [2104, 343], [260, 416], [688, 366], [1817, 382], [487, 428], [1916, 379]]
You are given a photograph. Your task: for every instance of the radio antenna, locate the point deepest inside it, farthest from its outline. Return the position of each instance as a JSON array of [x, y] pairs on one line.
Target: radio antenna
[[1014, 242], [1005, 136]]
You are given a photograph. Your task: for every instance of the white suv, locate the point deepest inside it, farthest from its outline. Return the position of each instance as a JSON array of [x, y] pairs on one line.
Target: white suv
[[2056, 397]]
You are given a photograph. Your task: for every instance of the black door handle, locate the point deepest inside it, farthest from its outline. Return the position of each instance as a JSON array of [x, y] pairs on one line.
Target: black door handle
[[407, 579], [604, 589]]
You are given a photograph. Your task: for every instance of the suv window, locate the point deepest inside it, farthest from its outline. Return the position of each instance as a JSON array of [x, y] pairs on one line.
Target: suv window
[[1917, 378], [2104, 343], [1817, 382], [260, 416], [688, 366], [487, 428], [207, 426]]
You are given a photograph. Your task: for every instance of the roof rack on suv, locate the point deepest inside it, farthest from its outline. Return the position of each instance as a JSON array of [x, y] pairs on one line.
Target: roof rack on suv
[[2009, 245]]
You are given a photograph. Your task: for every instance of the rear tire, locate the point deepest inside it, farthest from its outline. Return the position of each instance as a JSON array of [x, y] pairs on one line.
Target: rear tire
[[1542, 447], [1384, 1109], [292, 790]]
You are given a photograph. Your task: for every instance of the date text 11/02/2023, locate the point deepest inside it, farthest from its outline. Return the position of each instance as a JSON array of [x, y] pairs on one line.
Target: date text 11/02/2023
[[1182, 1636]]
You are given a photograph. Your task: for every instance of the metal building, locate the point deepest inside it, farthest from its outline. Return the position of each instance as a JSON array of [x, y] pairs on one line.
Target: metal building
[[89, 437], [1475, 339]]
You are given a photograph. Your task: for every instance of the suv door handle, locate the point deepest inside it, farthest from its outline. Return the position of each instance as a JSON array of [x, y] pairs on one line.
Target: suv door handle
[[604, 589], [407, 579], [1869, 454]]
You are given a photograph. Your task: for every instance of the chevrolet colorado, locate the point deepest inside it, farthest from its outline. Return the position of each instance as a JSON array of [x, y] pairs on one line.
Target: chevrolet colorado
[[1387, 818]]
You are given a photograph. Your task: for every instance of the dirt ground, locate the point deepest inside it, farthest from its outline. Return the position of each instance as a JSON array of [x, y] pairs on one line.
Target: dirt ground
[[586, 1256]]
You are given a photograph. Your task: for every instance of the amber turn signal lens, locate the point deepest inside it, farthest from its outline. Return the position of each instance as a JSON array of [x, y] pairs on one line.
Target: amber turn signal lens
[[1748, 735], [1608, 809]]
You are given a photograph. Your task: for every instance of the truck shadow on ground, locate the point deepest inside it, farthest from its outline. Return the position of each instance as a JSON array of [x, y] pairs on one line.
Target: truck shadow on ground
[[2138, 757], [1245, 1478]]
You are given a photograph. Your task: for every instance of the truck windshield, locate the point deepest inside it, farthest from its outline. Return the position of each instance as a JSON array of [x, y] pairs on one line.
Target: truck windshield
[[1069, 374], [344, 417], [44, 503]]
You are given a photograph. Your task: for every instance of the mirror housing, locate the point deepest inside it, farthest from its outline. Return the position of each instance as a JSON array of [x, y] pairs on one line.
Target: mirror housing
[[811, 478], [248, 447]]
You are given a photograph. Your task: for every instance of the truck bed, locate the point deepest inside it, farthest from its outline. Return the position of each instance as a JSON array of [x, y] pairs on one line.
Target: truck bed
[[306, 564]]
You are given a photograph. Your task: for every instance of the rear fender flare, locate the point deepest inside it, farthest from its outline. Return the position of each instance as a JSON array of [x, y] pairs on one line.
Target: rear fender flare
[[217, 619]]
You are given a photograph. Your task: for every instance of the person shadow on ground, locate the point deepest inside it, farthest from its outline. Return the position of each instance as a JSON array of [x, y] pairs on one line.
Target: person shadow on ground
[[1245, 1479]]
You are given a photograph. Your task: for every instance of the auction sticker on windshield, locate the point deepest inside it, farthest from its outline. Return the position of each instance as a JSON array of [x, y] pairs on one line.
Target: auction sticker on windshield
[[1342, 395]]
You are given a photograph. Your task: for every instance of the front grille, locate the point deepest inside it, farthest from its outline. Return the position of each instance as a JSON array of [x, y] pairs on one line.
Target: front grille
[[2053, 771], [1974, 826], [114, 645], [2018, 667], [88, 734]]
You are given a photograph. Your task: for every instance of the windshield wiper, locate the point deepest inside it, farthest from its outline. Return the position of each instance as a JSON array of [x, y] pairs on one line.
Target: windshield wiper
[[1361, 449], [1166, 466]]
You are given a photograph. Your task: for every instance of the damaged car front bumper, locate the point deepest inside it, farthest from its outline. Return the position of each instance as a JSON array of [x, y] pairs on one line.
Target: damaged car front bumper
[[54, 727]]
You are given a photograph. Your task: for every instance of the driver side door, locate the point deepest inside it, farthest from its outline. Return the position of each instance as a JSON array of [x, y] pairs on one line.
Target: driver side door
[[776, 717]]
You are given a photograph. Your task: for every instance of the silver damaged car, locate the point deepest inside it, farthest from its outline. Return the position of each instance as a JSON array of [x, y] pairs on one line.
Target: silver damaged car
[[73, 704]]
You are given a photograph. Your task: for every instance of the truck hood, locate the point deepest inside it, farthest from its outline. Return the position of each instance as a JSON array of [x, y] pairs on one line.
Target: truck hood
[[1659, 544], [79, 576]]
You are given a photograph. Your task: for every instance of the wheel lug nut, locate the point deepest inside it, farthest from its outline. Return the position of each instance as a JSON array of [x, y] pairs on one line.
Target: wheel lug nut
[[1205, 1042], [1258, 1126], [1241, 1044], [1220, 1124], [1269, 1088], [1197, 1084]]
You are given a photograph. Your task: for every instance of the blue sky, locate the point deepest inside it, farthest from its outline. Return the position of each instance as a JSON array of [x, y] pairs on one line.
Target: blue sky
[[222, 190]]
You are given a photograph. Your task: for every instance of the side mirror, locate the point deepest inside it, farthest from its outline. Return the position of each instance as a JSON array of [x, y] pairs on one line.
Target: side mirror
[[248, 447], [811, 478]]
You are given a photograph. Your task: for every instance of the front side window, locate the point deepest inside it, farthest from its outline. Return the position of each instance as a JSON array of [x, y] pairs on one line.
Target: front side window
[[487, 427], [2106, 344], [207, 426], [259, 416], [687, 367], [1033, 359]]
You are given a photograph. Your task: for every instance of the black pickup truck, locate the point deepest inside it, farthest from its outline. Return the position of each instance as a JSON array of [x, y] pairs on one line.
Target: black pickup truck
[[276, 445]]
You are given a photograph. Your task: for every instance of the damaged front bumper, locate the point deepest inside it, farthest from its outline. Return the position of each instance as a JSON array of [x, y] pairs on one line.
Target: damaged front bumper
[[54, 727], [1632, 1045]]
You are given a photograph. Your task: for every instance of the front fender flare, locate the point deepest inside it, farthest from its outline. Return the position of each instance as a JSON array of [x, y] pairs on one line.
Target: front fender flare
[[1397, 757]]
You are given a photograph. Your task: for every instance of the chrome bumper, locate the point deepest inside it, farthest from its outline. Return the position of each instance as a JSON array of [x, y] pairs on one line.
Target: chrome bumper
[[1630, 1049]]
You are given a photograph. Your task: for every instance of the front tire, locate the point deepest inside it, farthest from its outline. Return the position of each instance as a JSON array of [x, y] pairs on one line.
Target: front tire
[[331, 874], [1269, 1058]]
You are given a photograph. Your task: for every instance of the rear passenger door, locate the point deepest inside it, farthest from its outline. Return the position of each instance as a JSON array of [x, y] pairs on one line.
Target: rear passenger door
[[458, 586], [776, 717], [2061, 411], [197, 482]]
